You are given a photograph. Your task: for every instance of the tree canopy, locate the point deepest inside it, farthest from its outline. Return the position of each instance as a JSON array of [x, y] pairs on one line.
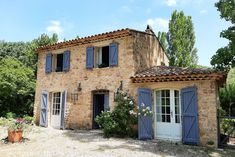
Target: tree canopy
[[18, 65], [17, 85], [179, 41], [224, 58]]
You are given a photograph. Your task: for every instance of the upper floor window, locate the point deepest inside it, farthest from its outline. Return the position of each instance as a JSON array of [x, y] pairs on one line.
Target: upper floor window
[[100, 57], [57, 59], [57, 62]]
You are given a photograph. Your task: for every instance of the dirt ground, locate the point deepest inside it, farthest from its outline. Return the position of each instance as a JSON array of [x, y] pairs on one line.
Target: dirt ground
[[48, 142]]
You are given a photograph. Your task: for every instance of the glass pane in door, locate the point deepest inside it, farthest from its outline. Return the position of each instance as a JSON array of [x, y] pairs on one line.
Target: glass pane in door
[[163, 106]]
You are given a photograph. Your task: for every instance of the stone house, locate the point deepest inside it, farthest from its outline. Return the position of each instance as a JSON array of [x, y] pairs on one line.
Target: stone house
[[77, 79]]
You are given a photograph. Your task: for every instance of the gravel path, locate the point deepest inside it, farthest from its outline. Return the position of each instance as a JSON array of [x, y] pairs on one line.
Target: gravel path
[[48, 142]]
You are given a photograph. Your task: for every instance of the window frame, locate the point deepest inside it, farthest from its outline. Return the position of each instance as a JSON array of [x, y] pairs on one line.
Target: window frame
[[172, 101]]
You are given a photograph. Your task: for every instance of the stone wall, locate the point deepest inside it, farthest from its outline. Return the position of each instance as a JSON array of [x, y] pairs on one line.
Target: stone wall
[[136, 52], [79, 114], [147, 51], [207, 105]]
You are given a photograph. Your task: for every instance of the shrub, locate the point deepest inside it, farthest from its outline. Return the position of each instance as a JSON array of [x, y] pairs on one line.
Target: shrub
[[28, 119], [106, 122], [3, 121], [10, 115], [119, 122]]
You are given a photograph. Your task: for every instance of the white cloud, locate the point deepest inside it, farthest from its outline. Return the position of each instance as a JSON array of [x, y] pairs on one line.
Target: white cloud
[[170, 2], [55, 27], [158, 24], [203, 11]]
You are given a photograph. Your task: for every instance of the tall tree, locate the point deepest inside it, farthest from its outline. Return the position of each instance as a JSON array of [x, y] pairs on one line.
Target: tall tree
[[162, 36], [224, 58], [181, 41]]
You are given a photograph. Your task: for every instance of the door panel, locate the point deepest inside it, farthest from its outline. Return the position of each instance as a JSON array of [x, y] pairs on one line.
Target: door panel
[[56, 110], [43, 109], [145, 130], [168, 123], [190, 115]]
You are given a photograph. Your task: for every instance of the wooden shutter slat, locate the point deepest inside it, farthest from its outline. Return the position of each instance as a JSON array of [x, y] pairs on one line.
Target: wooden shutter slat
[[89, 57], [113, 54], [63, 109], [190, 127], [106, 102], [66, 61], [43, 109], [145, 130], [48, 64]]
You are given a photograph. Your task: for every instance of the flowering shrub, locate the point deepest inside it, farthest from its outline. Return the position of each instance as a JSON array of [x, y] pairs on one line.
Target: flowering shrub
[[119, 122], [142, 111], [16, 124]]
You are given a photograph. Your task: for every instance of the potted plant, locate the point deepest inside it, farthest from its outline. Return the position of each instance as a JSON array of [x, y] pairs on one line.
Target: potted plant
[[15, 130]]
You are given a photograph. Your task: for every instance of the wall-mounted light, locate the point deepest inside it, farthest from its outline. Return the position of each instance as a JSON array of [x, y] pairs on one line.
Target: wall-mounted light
[[79, 88], [74, 96]]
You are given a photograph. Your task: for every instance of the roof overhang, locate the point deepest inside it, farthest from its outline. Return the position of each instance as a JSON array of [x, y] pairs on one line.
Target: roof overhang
[[150, 75]]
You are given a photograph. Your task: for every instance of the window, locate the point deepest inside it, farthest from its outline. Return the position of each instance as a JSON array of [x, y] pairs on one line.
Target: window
[[101, 55], [56, 103], [58, 62], [168, 106]]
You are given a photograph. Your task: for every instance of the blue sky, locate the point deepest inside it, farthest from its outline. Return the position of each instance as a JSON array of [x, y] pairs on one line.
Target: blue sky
[[24, 20]]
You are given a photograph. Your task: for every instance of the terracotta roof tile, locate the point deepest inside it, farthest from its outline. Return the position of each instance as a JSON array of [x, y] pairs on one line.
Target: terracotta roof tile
[[170, 73], [93, 38]]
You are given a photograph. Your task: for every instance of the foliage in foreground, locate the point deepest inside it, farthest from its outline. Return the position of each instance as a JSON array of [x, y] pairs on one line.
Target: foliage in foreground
[[120, 121]]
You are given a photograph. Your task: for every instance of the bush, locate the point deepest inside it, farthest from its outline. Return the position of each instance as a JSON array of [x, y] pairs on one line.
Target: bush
[[119, 122], [3, 121], [28, 119], [106, 122], [10, 115]]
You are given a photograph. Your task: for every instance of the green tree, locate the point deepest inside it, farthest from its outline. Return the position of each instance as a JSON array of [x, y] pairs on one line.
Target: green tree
[[231, 76], [31, 54], [14, 49], [17, 85], [162, 37], [181, 41], [224, 58]]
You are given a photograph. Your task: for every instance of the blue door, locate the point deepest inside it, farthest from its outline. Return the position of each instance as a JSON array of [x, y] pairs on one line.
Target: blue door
[[190, 130], [145, 129]]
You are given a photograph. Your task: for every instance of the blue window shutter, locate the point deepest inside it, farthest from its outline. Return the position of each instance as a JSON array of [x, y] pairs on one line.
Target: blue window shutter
[[89, 57], [145, 129], [48, 64], [106, 102], [190, 129], [63, 109], [43, 109], [66, 61], [113, 54]]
